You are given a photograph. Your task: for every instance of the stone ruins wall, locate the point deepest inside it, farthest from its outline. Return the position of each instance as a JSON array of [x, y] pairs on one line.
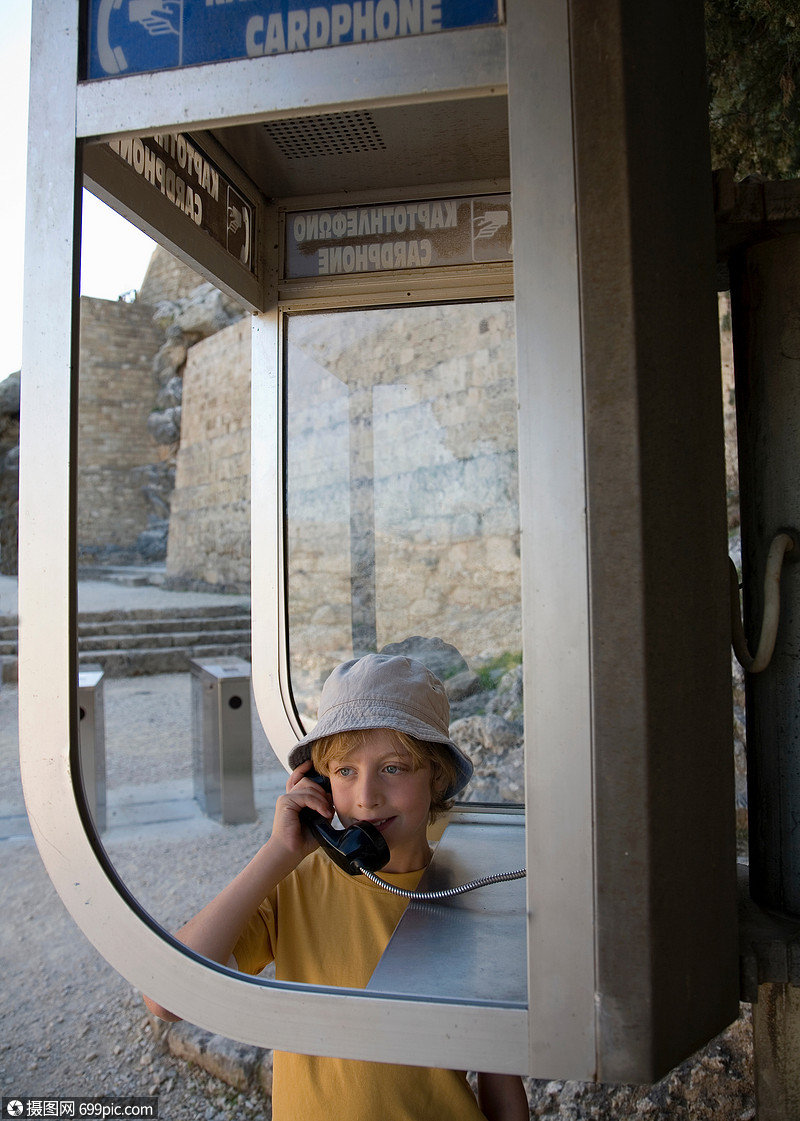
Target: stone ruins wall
[[132, 362], [117, 344], [209, 534], [442, 452]]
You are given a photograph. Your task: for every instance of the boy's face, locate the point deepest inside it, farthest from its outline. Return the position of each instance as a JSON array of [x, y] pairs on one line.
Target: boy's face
[[375, 783]]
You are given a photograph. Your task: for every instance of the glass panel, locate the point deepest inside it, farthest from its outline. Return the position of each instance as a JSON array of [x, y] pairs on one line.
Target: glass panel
[[402, 512]]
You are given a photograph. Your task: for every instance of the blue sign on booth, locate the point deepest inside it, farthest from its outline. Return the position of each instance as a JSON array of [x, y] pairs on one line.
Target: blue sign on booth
[[134, 36]]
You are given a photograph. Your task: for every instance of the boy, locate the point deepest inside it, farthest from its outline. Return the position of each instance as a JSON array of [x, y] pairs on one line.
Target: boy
[[382, 739]]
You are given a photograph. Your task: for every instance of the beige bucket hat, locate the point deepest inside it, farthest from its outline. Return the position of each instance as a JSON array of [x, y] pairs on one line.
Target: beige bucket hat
[[385, 691]]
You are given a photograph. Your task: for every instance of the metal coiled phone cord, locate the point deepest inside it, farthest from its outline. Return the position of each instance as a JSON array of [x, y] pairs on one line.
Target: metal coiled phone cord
[[445, 893]]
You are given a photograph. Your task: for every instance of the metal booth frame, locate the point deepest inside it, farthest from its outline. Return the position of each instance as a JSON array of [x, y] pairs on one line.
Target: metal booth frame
[[572, 1028]]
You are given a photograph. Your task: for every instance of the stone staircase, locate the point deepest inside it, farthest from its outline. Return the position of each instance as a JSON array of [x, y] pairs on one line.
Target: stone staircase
[[142, 641]]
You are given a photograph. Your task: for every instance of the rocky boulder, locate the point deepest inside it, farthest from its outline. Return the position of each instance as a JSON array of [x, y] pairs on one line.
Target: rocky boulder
[[165, 426], [9, 473], [495, 746], [9, 395], [186, 321], [439, 656]]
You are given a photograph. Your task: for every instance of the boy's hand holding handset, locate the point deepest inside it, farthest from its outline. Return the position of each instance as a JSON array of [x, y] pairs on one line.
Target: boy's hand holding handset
[[214, 930], [287, 828]]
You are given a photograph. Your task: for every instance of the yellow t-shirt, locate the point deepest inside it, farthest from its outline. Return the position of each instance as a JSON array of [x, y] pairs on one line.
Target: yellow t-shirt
[[324, 927]]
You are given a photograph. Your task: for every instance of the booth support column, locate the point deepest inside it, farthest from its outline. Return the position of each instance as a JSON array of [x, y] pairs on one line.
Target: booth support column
[[661, 767], [765, 298]]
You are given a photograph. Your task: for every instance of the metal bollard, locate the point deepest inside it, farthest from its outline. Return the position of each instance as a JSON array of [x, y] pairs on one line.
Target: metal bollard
[[222, 739], [92, 731]]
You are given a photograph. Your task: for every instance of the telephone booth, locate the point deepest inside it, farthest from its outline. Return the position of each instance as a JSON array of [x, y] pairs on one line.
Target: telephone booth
[[476, 240]]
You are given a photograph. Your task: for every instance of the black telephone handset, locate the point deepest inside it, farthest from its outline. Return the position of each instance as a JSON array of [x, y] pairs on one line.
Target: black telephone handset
[[361, 849], [357, 847]]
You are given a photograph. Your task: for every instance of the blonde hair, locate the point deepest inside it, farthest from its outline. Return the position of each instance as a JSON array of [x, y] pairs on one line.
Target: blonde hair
[[444, 773]]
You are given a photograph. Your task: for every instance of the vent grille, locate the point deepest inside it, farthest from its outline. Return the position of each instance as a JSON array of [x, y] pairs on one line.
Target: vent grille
[[335, 134]]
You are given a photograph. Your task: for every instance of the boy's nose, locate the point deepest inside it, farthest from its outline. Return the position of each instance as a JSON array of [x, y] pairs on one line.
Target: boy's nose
[[368, 794]]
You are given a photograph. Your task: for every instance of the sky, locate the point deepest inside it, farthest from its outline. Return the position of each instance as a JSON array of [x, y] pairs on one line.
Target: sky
[[103, 275]]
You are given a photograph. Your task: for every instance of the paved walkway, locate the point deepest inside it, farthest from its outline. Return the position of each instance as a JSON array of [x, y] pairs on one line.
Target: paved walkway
[[105, 595], [148, 735]]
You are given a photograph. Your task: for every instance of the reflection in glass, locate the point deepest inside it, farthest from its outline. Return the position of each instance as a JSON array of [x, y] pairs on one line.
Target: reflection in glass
[[163, 443], [402, 511]]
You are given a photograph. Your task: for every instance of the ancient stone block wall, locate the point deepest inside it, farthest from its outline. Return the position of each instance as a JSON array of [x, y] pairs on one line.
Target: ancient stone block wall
[[209, 535], [116, 394], [439, 401]]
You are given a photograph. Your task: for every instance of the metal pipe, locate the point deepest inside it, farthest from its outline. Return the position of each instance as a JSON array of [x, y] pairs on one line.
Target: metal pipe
[[765, 290], [754, 663]]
